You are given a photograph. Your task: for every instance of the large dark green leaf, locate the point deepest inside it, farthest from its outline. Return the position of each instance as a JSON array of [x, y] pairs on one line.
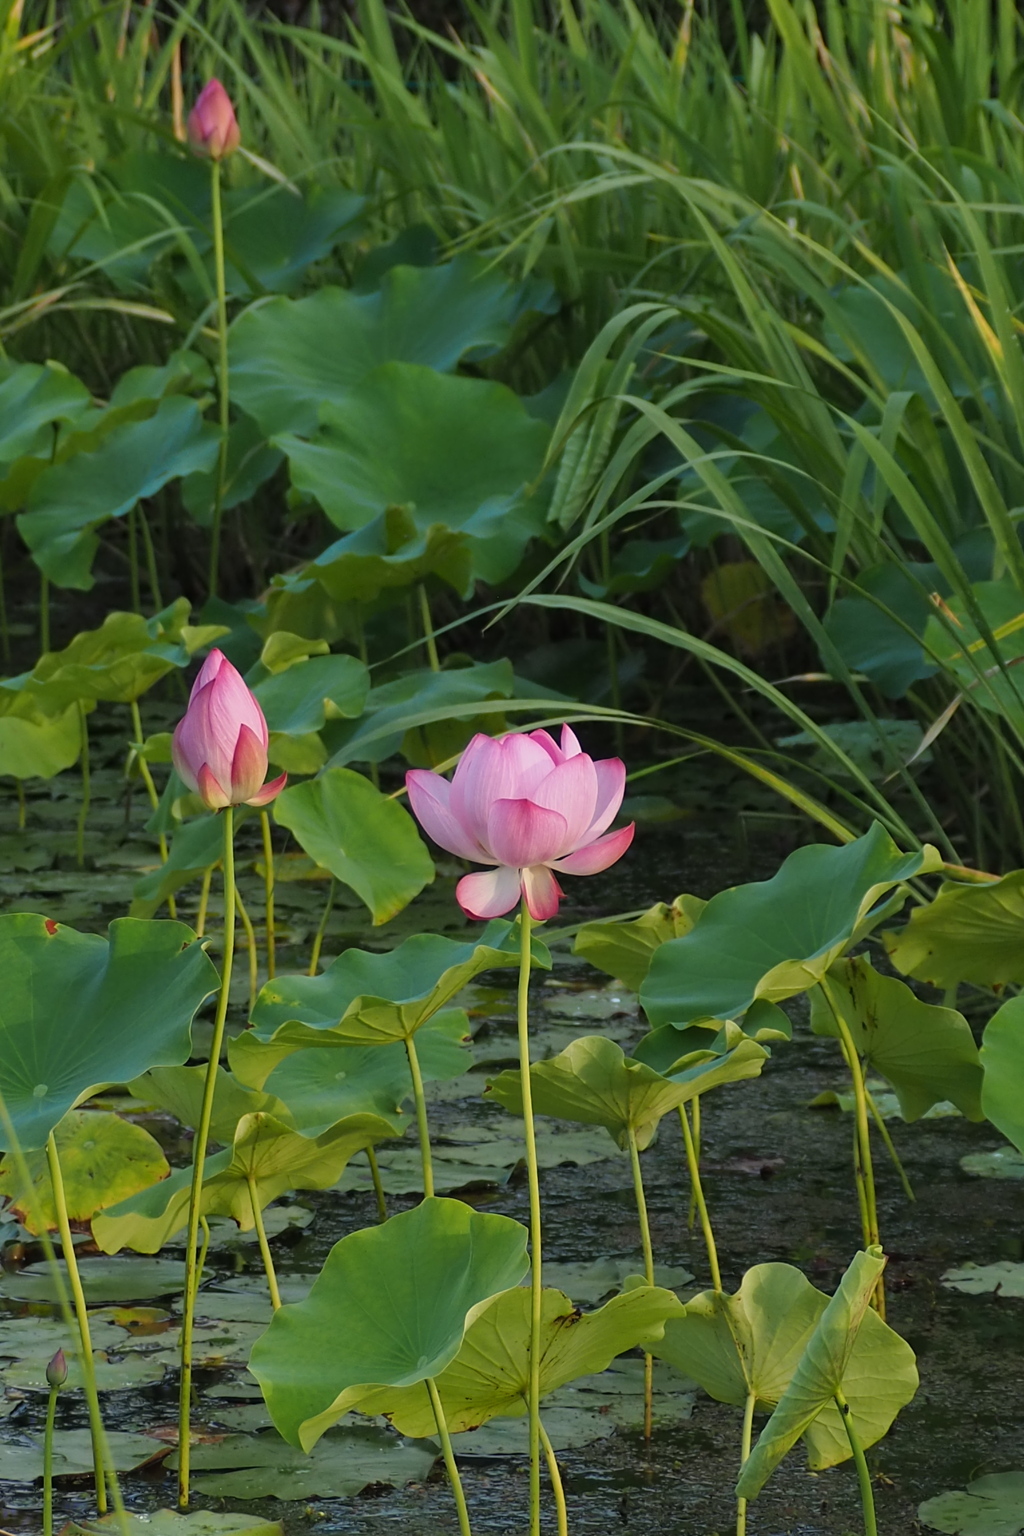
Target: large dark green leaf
[[1002, 1057], [78, 1012], [390, 551], [454, 452], [367, 840], [777, 937], [407, 1291], [871, 642]]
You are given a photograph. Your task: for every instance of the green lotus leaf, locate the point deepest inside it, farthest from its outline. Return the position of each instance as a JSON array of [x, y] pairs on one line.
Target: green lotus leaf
[[491, 1373], [885, 1373], [117, 662], [265, 1158], [195, 847], [753, 1342], [32, 398], [179, 1092], [390, 552], [1002, 1059], [775, 938], [103, 1279], [972, 933], [990, 1506], [389, 1308], [625, 950], [367, 840], [927, 1053], [375, 999], [34, 742], [593, 1081], [72, 1454], [79, 1012], [456, 452], [103, 1159], [287, 356], [310, 692], [169, 1522], [340, 1465]]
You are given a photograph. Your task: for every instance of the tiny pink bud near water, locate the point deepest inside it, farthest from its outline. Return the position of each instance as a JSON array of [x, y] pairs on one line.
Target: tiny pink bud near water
[[531, 808], [220, 743], [212, 125], [57, 1370]]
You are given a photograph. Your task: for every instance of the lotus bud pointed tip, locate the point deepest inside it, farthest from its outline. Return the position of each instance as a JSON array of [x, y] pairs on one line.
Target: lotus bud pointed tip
[[219, 747], [212, 125], [57, 1370]]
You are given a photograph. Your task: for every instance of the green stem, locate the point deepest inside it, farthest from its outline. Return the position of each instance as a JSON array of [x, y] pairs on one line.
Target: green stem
[[748, 1430], [695, 1112], [83, 724], [556, 1482], [883, 1129], [44, 612], [645, 1240], [199, 1146], [261, 1233], [318, 942], [449, 1457], [867, 1497], [428, 630], [222, 372], [204, 901], [864, 1167], [698, 1194], [133, 561], [421, 1115], [82, 1315], [51, 1413], [378, 1187], [268, 889], [204, 1248], [147, 779], [151, 571], [250, 942], [536, 1277]]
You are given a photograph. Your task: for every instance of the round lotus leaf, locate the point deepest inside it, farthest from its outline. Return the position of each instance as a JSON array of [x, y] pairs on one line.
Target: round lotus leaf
[[991, 1506], [112, 1375], [1005, 1278], [103, 1159], [103, 1279], [170, 1522], [72, 1454]]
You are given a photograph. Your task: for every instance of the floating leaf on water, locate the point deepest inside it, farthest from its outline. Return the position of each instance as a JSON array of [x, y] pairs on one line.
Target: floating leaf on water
[[592, 1003], [134, 1370], [991, 1506], [1004, 1278], [342, 1463], [276, 1218], [103, 1279], [72, 1454], [590, 1282], [1003, 1163], [168, 1522]]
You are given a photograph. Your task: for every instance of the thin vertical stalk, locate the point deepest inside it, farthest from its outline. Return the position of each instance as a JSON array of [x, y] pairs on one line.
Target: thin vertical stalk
[[199, 1146], [204, 1248], [645, 1240], [222, 371], [867, 1497], [133, 561], [421, 1115], [261, 1233], [695, 1122], [204, 901], [536, 1275], [748, 1430], [250, 941], [698, 1193], [318, 942], [147, 779], [82, 1316], [51, 1413], [268, 890], [151, 568], [556, 1482], [883, 1131], [378, 1187], [44, 612], [428, 630], [865, 1167], [449, 1457], [83, 814]]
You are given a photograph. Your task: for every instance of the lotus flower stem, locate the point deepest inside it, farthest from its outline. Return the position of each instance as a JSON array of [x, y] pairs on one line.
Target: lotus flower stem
[[217, 219], [261, 1233], [199, 1160], [536, 1275], [314, 959], [204, 1227], [83, 724], [645, 1241], [250, 942], [698, 1194], [133, 561], [151, 566], [748, 1431], [883, 1131], [867, 1497], [420, 1100], [204, 901], [556, 1482], [82, 1315], [154, 798], [449, 1457], [51, 1414], [378, 1187], [428, 630], [695, 1113], [268, 888], [863, 1165]]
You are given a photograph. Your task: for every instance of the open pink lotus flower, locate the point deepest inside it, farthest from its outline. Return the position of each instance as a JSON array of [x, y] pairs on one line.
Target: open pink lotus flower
[[220, 743], [212, 125], [528, 806]]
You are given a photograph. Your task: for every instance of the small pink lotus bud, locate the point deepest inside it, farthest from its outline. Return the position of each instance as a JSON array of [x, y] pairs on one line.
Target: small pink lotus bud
[[212, 125], [57, 1370], [220, 743]]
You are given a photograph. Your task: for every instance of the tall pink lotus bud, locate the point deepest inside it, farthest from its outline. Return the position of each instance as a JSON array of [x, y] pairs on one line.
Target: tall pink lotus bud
[[529, 807], [220, 743], [57, 1370], [212, 124]]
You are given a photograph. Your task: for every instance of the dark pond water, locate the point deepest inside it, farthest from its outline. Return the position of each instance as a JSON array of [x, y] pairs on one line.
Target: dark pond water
[[779, 1186]]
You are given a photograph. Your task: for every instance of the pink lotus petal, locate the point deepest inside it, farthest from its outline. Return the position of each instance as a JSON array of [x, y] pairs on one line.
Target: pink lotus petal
[[520, 833], [181, 755], [270, 791], [541, 892], [208, 736], [571, 790], [492, 770], [551, 747], [430, 800], [596, 856], [208, 671], [210, 791], [488, 893], [611, 786], [570, 742], [234, 704], [248, 765]]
